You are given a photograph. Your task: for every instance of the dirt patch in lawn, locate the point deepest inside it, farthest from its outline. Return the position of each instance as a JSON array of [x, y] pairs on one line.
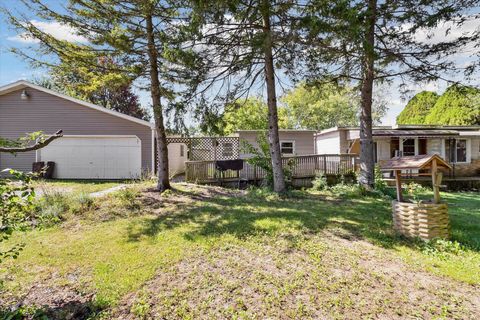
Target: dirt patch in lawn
[[311, 278], [43, 301], [184, 194]]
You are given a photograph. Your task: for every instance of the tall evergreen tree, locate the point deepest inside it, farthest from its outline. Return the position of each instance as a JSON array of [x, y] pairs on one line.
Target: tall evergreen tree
[[371, 41], [140, 36], [246, 46]]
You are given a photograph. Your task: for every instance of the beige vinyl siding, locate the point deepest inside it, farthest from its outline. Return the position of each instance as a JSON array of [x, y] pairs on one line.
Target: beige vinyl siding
[[434, 146], [49, 113], [383, 149], [303, 141], [328, 143], [475, 145]]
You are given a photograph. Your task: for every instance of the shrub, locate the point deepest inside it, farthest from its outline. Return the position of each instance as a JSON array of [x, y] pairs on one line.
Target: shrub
[[414, 190], [51, 208], [128, 197], [262, 159], [16, 206], [320, 182], [442, 248]]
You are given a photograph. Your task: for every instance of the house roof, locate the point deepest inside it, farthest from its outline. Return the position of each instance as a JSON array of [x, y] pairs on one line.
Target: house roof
[[413, 133], [280, 130], [413, 162], [21, 84]]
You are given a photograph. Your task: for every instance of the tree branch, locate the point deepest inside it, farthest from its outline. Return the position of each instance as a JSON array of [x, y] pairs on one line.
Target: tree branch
[[36, 146]]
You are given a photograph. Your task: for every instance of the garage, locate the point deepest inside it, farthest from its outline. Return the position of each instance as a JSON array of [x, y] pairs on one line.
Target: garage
[[94, 157]]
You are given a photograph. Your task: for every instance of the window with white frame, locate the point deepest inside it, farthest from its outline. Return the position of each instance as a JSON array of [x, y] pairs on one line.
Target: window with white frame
[[461, 150], [227, 150], [287, 147], [408, 147]]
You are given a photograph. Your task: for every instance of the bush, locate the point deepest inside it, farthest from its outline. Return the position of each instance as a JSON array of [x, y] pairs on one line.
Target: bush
[[320, 182], [128, 197], [262, 159], [16, 206], [442, 248]]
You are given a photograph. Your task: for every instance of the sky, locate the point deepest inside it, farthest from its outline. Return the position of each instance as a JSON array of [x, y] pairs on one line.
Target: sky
[[13, 68]]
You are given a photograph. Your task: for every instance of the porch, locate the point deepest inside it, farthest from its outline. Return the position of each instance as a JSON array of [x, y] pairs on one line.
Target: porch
[[304, 168]]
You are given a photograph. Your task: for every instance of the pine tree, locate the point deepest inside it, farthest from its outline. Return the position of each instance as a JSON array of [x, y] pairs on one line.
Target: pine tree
[[372, 41], [246, 45], [142, 37]]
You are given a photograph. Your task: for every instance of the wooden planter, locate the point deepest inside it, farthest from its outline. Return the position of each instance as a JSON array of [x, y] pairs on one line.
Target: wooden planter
[[423, 220]]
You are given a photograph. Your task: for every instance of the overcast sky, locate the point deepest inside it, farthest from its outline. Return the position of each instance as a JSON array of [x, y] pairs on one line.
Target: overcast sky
[[13, 68]]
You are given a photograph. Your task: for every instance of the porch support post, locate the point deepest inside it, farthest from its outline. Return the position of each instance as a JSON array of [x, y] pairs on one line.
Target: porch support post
[[398, 184], [435, 182]]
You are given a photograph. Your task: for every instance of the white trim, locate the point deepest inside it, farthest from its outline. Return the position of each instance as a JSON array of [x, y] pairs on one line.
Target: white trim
[[442, 150], [288, 141], [154, 164], [468, 155], [22, 84], [101, 136]]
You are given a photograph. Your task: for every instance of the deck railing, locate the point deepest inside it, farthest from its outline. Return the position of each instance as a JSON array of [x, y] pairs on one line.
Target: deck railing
[[305, 166]]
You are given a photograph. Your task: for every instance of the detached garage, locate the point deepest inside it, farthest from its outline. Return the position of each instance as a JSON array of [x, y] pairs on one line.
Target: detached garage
[[98, 143]]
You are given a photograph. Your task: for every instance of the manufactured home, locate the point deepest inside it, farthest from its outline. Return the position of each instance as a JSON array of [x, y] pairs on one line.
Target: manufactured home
[[459, 145]]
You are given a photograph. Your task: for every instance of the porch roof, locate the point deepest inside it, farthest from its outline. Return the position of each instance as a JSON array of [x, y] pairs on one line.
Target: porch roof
[[414, 133]]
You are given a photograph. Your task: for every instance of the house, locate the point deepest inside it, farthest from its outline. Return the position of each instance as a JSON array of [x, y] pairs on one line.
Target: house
[[292, 142], [181, 149], [98, 143], [459, 145]]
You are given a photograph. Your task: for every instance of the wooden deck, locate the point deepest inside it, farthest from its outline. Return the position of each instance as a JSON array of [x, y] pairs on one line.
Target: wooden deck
[[304, 167]]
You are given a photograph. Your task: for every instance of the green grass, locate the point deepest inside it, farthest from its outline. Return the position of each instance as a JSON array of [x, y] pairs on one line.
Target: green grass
[[75, 186], [119, 256]]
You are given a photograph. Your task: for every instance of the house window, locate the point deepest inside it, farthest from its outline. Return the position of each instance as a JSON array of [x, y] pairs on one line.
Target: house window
[[408, 147], [375, 152], [287, 147], [227, 150], [461, 150], [182, 150]]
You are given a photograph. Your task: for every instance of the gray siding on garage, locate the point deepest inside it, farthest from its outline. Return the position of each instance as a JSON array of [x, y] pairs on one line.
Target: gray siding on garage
[[49, 113]]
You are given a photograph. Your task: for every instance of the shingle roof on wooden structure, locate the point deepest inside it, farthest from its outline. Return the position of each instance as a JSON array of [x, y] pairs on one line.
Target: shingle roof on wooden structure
[[413, 162]]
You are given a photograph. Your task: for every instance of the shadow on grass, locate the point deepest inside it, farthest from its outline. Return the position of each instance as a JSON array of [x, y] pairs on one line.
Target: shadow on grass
[[64, 310], [257, 214]]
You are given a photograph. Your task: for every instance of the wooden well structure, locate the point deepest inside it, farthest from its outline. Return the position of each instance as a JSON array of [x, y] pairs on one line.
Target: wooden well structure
[[425, 220]]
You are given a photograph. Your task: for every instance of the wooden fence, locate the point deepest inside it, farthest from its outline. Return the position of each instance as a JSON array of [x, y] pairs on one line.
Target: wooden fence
[[302, 167]]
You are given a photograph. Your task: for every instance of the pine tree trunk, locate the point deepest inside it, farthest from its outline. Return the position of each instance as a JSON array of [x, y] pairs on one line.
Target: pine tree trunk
[[367, 165], [163, 179], [273, 136]]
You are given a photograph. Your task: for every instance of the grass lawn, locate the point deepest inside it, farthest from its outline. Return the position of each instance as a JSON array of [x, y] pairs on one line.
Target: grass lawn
[[207, 252], [75, 186]]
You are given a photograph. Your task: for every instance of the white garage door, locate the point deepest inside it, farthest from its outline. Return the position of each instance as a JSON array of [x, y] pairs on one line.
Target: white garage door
[[94, 157]]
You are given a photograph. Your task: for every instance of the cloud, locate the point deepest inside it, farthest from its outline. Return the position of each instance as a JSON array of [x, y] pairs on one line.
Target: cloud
[[53, 28], [448, 30]]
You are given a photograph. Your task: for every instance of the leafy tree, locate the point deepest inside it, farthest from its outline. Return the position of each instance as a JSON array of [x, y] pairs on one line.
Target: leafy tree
[[418, 108], [326, 105], [371, 41], [245, 45], [459, 105], [142, 37], [250, 115]]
